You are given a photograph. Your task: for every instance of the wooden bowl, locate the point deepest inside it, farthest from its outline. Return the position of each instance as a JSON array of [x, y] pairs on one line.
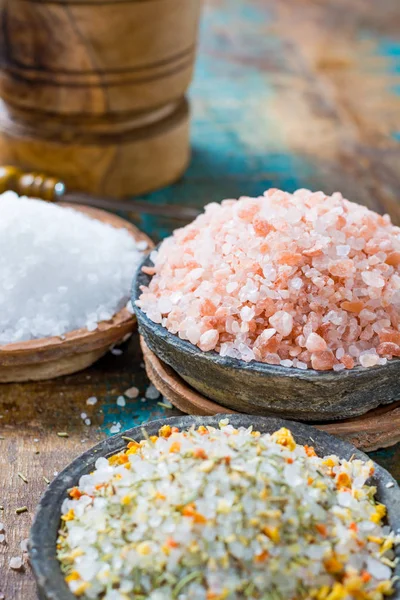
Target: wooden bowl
[[259, 388], [42, 544], [50, 357]]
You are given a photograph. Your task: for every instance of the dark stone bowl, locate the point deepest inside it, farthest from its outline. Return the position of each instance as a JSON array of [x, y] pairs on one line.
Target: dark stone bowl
[[262, 389], [42, 544]]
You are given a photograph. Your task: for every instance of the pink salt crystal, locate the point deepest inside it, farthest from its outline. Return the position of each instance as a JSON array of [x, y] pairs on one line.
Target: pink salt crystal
[[283, 322], [315, 343], [322, 361], [208, 340], [307, 279]]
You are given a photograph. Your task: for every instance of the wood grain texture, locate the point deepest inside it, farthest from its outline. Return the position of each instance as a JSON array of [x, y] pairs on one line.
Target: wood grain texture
[[296, 93], [91, 92]]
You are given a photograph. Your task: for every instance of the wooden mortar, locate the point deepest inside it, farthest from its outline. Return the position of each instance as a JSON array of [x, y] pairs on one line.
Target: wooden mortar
[[92, 91]]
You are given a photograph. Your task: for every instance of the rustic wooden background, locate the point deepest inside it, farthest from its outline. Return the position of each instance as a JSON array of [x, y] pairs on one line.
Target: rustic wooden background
[[288, 93]]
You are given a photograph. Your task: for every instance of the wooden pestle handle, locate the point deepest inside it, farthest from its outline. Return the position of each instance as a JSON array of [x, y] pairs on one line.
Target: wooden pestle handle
[[36, 185]]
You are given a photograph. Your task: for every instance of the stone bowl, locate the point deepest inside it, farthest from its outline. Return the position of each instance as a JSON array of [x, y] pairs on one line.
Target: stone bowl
[[42, 543], [262, 389]]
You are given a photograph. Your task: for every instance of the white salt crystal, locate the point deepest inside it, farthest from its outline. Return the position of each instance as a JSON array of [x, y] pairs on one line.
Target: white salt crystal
[[116, 351], [1, 526], [121, 401], [378, 569], [15, 563], [24, 545], [369, 360], [91, 401], [390, 484], [83, 416], [2, 538], [286, 363], [74, 270], [132, 392], [338, 367], [87, 422], [152, 393], [231, 287], [36, 440], [115, 428]]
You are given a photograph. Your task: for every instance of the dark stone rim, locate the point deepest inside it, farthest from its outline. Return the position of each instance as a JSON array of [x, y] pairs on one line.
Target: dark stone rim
[[42, 543], [194, 352]]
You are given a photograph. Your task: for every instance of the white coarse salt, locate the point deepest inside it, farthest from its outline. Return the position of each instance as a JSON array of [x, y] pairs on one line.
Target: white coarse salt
[[24, 545], [132, 392], [1, 526], [321, 271], [60, 269], [152, 392], [87, 421], [116, 351], [15, 563], [115, 428], [91, 401], [121, 401], [2, 538]]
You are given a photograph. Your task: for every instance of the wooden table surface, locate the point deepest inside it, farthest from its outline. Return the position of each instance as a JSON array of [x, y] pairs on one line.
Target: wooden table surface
[[295, 93]]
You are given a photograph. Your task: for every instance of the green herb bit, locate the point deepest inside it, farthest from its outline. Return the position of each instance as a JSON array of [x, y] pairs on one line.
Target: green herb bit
[[21, 509], [22, 477], [62, 434], [191, 577], [46, 480]]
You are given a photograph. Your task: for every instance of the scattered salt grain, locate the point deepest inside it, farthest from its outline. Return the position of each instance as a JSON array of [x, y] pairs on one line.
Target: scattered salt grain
[[87, 421], [91, 401], [121, 401], [60, 269], [321, 271], [132, 392], [1, 526], [152, 393], [389, 484], [116, 351], [83, 416], [15, 563], [115, 428], [2, 538], [24, 545]]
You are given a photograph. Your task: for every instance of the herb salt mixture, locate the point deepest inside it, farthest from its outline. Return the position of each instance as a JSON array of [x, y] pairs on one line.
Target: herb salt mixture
[[299, 280], [60, 269], [215, 514]]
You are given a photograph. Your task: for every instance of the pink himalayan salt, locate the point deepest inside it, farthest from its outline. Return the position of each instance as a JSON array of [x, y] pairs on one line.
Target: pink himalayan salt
[[303, 279]]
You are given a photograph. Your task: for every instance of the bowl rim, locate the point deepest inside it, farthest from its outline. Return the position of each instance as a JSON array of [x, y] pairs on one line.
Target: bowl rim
[[44, 531], [78, 340], [254, 366]]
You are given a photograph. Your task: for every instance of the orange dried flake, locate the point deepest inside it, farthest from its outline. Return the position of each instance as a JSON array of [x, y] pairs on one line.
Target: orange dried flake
[[175, 447], [321, 528], [200, 453], [75, 493], [165, 431], [309, 450], [262, 557], [190, 511], [343, 481], [333, 565]]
